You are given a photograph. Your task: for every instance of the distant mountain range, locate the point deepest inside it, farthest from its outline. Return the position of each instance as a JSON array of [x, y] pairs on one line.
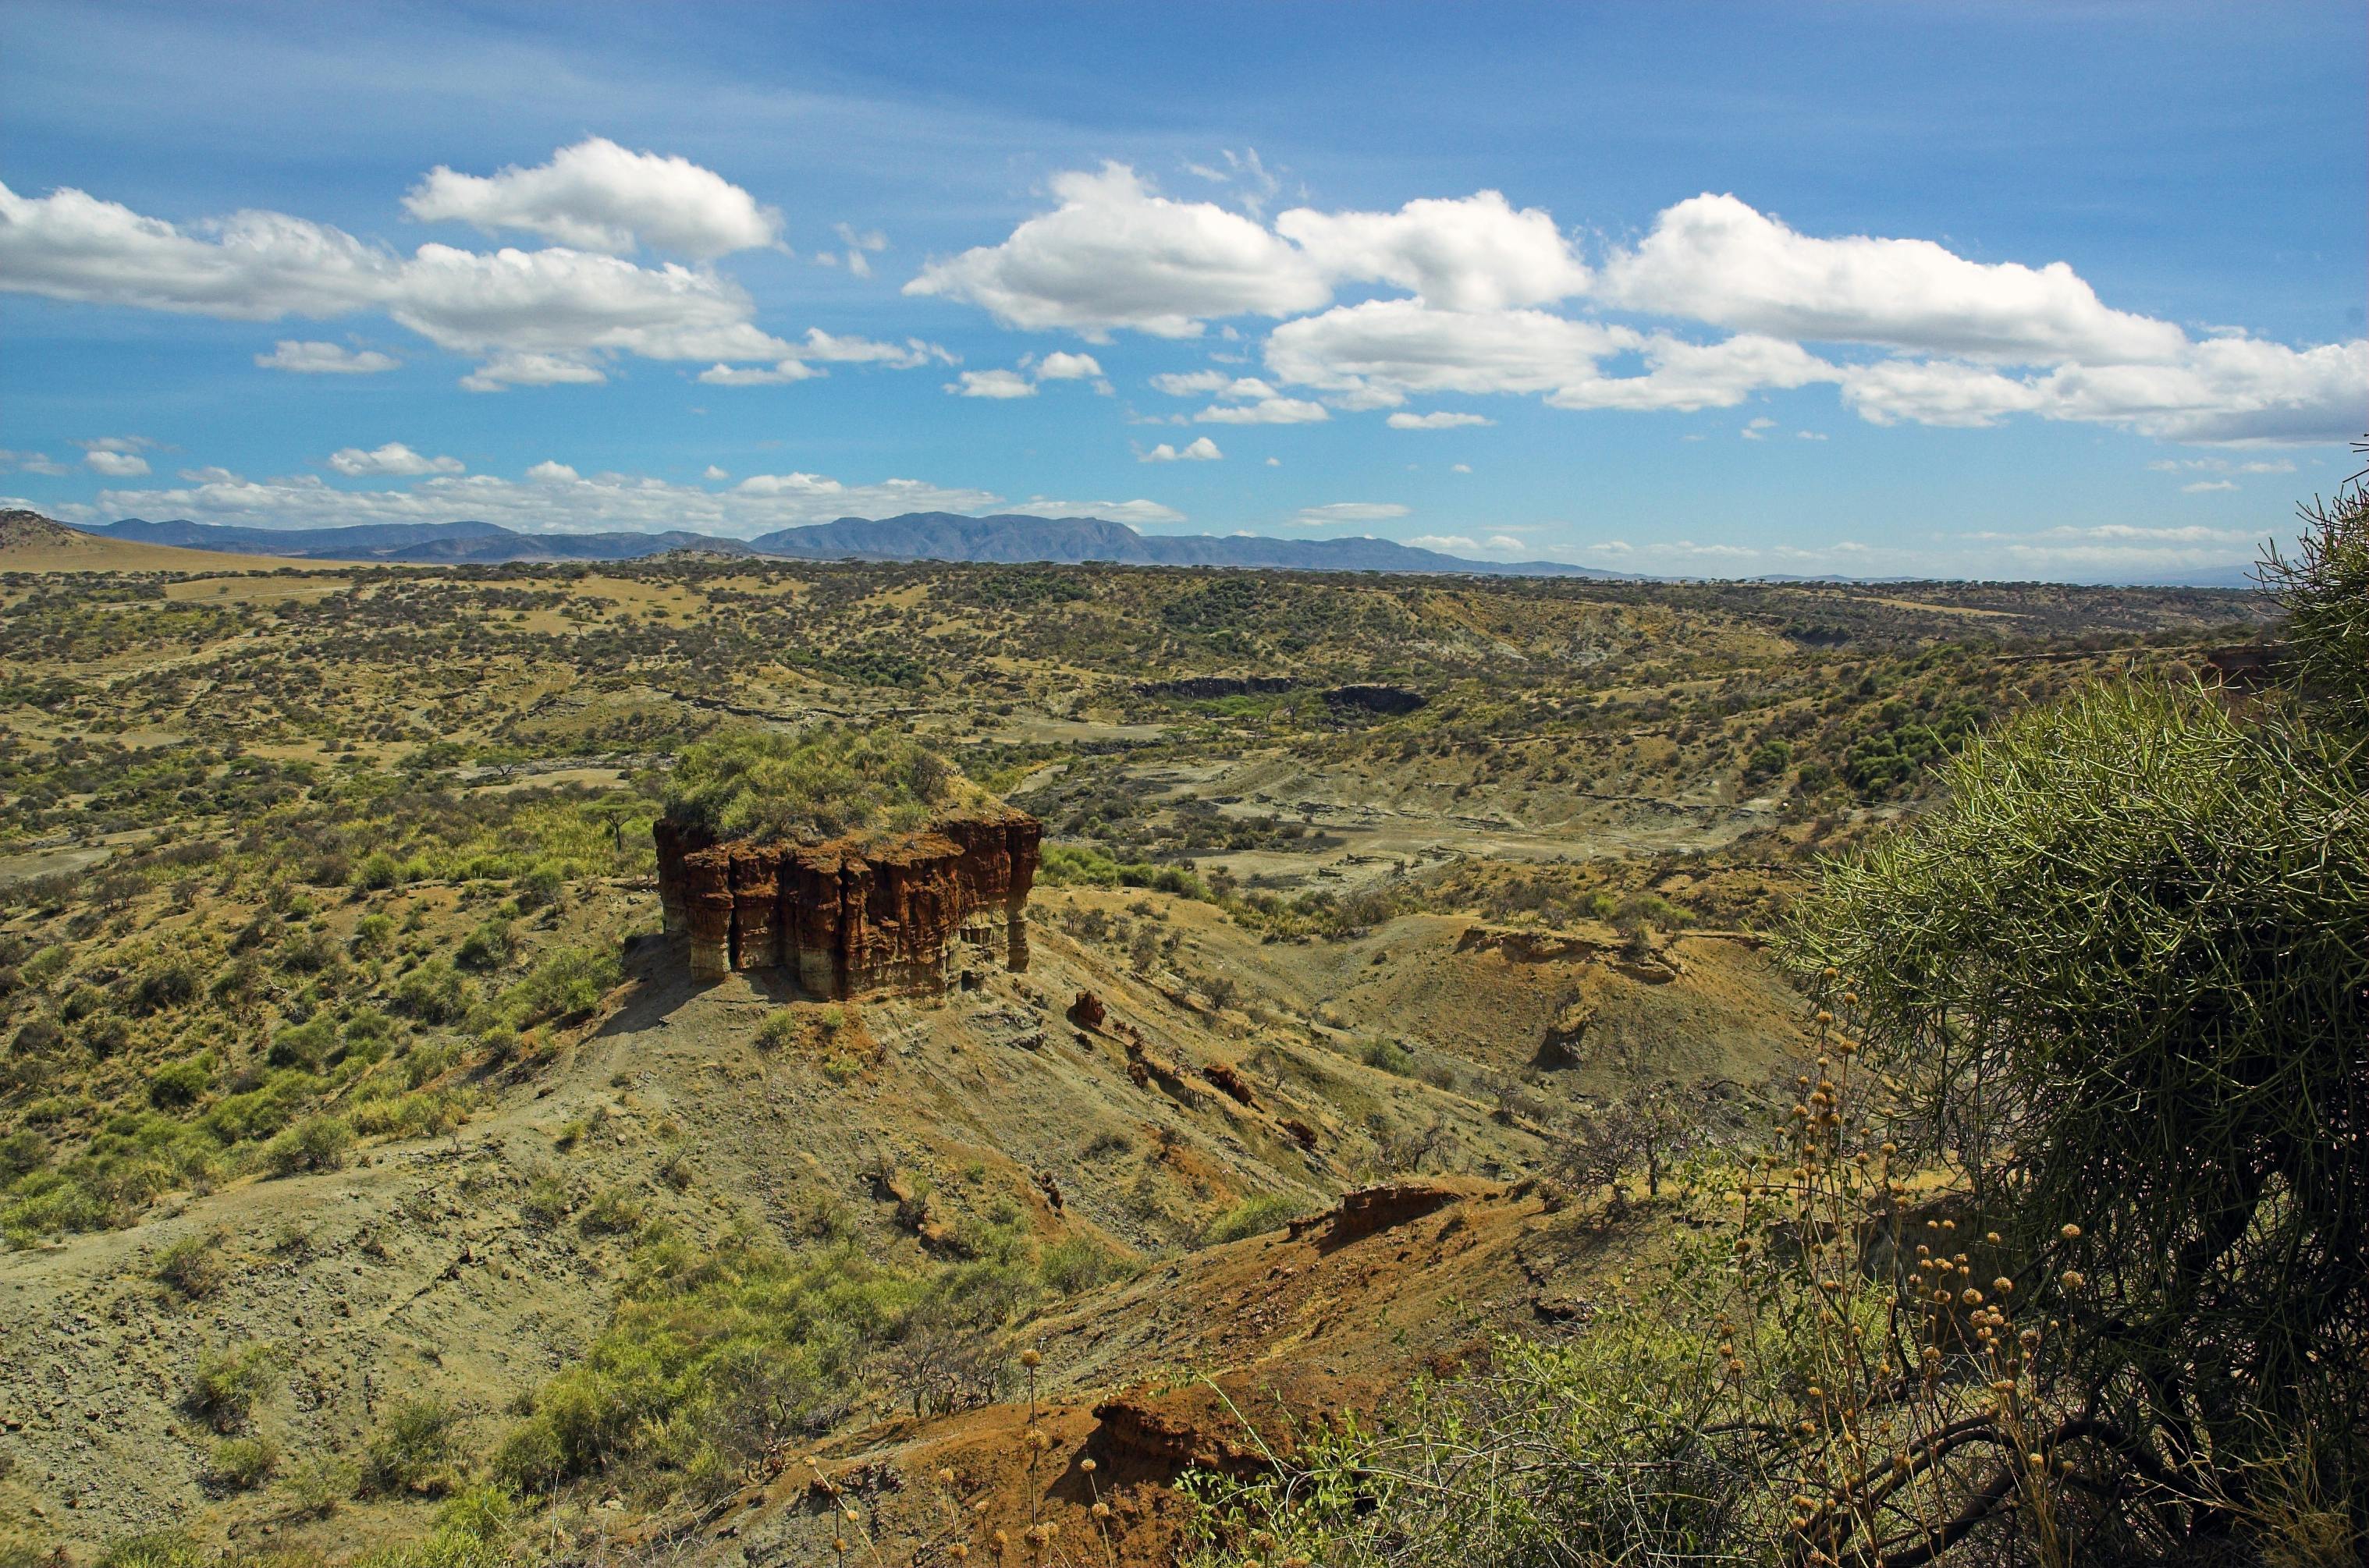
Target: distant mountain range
[[917, 536]]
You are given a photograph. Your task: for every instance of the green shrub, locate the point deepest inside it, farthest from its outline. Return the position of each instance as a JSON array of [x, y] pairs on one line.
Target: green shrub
[[378, 872], [435, 992], [170, 984], [242, 1464], [150, 1548], [539, 887], [374, 936], [227, 1384], [304, 1046], [316, 1143], [1068, 1266], [1253, 1216], [22, 1151], [712, 1351], [832, 779], [547, 1200], [1769, 759], [264, 1109], [413, 1447], [779, 1029], [314, 1486], [1065, 865], [612, 1213], [488, 946], [566, 985], [1389, 1056], [192, 1267], [177, 1085]]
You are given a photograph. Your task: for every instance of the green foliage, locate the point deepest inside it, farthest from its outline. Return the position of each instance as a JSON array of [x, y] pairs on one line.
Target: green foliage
[[713, 1353], [227, 1384], [179, 1085], [612, 1212], [2323, 593], [1254, 1216], [413, 1447], [435, 992], [264, 1109], [153, 1548], [566, 985], [304, 1045], [1067, 865], [316, 1143], [1768, 760], [539, 886], [378, 872], [2123, 976], [779, 1030], [833, 779], [488, 946], [191, 1268], [242, 1464], [1580, 1453], [1079, 1263], [1388, 1055]]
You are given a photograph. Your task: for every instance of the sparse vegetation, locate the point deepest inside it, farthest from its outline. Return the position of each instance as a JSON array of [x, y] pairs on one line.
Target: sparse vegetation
[[360, 894]]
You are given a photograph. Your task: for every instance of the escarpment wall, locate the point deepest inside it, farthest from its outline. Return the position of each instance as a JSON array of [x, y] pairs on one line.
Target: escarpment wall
[[856, 914]]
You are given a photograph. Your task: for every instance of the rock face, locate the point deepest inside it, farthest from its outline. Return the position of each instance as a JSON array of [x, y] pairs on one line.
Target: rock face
[[896, 913]]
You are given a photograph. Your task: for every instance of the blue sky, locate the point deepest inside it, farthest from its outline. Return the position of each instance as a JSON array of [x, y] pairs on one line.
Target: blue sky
[[2067, 291]]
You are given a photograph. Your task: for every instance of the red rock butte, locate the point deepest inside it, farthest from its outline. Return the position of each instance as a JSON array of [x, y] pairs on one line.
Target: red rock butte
[[862, 913]]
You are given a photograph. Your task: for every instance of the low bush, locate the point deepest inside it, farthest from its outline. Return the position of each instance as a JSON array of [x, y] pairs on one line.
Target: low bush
[[316, 1143], [1253, 1216], [413, 1447], [191, 1268], [242, 1464], [227, 1384]]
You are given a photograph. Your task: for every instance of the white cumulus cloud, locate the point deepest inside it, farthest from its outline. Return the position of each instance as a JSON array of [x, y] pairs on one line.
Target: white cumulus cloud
[[1201, 451], [1714, 259], [1444, 541], [1476, 253], [505, 370], [1266, 411], [1113, 253], [524, 310], [992, 383], [599, 196], [1068, 367], [115, 464], [1440, 420], [325, 359], [777, 374], [394, 458]]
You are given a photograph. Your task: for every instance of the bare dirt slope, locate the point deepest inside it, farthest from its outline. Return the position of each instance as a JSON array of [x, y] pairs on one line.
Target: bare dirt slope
[[440, 1267]]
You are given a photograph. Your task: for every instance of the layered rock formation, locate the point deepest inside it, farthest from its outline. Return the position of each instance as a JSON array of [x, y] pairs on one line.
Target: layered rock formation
[[856, 914]]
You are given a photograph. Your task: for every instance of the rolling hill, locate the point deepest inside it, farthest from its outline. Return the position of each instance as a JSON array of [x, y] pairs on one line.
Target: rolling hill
[[917, 536], [32, 543]]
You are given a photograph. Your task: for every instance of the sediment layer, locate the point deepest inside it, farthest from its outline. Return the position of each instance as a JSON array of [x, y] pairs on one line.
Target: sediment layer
[[859, 915]]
